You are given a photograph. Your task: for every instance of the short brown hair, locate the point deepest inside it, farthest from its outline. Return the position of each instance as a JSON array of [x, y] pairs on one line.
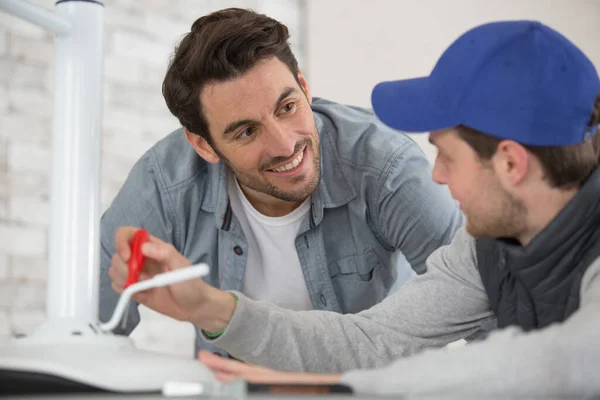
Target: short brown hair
[[221, 46], [565, 166]]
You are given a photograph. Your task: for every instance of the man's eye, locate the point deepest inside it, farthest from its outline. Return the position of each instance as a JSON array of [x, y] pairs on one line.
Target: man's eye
[[289, 107], [249, 131]]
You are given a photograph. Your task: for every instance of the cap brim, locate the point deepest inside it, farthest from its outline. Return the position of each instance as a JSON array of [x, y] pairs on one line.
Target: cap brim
[[408, 105]]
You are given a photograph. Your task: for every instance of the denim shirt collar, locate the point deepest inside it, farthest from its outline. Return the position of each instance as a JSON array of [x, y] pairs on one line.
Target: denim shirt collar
[[334, 188]]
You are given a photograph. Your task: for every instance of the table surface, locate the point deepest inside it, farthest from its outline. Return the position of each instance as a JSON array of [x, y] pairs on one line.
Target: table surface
[[281, 397]]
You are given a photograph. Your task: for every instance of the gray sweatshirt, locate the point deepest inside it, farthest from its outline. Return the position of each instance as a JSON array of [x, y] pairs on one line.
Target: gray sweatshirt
[[387, 349]]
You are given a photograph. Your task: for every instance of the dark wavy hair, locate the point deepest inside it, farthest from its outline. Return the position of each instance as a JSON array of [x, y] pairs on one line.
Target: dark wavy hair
[[221, 46]]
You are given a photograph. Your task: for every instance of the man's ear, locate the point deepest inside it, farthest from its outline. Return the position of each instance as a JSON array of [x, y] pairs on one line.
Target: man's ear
[[304, 86], [512, 162], [201, 147]]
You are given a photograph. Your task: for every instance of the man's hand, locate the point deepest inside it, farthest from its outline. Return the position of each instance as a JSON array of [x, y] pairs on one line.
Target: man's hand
[[193, 300], [227, 370]]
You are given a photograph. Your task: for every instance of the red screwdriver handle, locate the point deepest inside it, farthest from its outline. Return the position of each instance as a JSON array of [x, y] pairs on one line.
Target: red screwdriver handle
[[137, 259]]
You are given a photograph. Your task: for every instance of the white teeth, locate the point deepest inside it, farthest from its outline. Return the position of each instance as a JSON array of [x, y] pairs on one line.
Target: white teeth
[[291, 165]]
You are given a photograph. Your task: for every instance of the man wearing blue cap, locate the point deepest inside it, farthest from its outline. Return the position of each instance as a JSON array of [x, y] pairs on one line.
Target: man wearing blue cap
[[514, 110]]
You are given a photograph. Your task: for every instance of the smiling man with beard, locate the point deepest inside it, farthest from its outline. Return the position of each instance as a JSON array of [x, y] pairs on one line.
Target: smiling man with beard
[[291, 199]]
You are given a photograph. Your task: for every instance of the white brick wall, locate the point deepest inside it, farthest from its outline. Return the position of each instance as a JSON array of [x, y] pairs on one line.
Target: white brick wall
[[139, 37], [4, 270]]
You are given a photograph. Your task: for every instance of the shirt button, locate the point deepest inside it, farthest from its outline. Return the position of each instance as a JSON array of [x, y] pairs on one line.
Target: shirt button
[[238, 250], [323, 300]]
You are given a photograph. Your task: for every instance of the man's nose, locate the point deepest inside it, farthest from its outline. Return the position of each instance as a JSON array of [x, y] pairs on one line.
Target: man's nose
[[279, 142]]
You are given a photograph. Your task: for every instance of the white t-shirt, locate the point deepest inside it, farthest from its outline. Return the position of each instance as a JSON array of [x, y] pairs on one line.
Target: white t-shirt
[[273, 271]]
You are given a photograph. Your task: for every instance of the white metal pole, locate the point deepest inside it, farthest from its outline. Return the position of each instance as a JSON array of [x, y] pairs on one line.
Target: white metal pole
[[38, 15], [75, 176]]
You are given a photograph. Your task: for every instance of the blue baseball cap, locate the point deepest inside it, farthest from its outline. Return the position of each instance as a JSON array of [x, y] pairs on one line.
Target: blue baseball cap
[[517, 80]]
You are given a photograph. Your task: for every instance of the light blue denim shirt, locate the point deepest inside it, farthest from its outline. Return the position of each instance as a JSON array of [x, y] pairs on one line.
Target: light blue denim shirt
[[375, 197]]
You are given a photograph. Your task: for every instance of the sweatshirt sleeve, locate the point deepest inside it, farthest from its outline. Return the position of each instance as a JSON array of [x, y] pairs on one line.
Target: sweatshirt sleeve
[[443, 305], [561, 360]]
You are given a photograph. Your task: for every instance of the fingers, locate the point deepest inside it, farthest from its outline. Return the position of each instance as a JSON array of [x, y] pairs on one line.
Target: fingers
[[225, 377], [226, 369], [221, 364], [154, 249], [118, 272], [228, 377], [142, 297], [123, 237], [158, 250], [164, 253]]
